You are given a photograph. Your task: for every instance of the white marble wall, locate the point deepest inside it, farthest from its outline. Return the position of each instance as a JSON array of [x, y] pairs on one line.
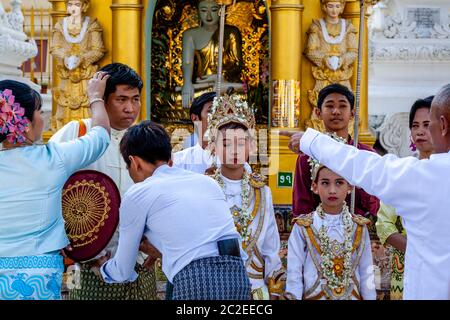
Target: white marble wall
[[409, 49]]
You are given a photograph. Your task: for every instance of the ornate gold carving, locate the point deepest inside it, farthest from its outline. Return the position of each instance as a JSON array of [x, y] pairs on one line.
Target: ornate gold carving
[[77, 46], [286, 103], [85, 209], [172, 18], [332, 50]]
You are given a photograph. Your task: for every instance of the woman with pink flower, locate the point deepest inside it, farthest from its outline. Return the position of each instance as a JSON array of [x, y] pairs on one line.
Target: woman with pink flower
[[32, 175]]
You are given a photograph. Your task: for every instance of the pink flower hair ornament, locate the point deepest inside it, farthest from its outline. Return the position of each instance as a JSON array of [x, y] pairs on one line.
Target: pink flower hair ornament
[[13, 123]]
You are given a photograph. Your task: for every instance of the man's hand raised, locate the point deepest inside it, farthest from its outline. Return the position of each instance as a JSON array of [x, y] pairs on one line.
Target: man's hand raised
[[294, 142]]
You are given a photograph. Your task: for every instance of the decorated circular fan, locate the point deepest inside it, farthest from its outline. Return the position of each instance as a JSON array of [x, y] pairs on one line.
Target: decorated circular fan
[[90, 206]]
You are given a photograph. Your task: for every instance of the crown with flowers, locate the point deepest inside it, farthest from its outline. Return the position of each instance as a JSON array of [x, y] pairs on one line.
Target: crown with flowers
[[229, 108], [315, 164], [13, 123]]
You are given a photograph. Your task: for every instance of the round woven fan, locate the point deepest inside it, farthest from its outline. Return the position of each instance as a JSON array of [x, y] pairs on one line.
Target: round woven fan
[[90, 205]]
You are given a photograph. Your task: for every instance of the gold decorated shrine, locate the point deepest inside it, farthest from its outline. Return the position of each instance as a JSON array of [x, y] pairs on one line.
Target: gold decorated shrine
[[278, 71]]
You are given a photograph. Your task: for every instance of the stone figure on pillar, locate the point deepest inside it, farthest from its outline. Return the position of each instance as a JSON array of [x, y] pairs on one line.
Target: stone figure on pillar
[[332, 48], [200, 53], [77, 45]]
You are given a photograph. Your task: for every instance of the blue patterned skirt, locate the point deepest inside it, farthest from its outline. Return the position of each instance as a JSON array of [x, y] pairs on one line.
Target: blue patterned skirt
[[31, 277], [213, 278]]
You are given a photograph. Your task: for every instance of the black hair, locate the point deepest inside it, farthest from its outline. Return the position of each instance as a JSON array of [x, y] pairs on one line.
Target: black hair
[[28, 98], [336, 88], [147, 140], [121, 74], [233, 126], [419, 104], [199, 102]]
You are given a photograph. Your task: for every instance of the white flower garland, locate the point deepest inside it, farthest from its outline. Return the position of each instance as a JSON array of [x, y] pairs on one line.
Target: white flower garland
[[245, 218], [327, 258], [326, 35], [80, 36]]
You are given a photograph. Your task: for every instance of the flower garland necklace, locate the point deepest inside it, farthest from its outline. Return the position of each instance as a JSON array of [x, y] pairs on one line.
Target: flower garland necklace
[[335, 270], [327, 36], [242, 218], [82, 33]]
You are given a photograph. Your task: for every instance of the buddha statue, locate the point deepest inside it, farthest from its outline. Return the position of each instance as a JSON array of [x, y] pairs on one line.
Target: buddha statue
[[200, 53], [77, 45], [332, 48]]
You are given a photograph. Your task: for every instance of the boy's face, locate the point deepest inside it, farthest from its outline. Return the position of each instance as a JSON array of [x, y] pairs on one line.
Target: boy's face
[[336, 112], [331, 188], [233, 147]]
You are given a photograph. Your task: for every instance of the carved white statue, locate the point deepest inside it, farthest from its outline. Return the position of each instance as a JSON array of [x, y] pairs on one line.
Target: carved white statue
[[15, 47]]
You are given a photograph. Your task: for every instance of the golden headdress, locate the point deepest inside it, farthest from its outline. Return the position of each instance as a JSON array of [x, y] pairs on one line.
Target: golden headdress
[[315, 164], [228, 109]]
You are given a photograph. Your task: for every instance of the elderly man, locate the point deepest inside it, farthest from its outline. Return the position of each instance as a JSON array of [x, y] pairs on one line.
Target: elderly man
[[418, 189]]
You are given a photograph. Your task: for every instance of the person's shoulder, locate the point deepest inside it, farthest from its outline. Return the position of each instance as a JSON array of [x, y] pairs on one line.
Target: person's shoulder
[[137, 190], [304, 220], [257, 180], [191, 32], [360, 220], [180, 156], [315, 26], [94, 24]]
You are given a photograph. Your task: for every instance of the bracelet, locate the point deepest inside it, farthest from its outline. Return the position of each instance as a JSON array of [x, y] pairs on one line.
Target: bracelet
[[96, 100]]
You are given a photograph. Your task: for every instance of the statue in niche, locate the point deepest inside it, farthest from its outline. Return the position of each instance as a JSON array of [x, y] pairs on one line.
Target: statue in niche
[[200, 53], [77, 45], [332, 48]]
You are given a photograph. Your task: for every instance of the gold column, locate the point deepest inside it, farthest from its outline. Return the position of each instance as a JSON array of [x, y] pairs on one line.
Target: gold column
[[127, 34], [57, 12], [352, 10], [286, 56], [286, 39]]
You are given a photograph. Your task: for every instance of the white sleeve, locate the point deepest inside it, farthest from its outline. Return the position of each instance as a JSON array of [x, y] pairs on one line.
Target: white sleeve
[[271, 244], [366, 271], [389, 178], [178, 159], [296, 258], [67, 133], [131, 228]]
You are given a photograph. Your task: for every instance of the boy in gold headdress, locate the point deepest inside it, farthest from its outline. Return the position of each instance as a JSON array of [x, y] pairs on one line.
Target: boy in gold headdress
[[230, 126]]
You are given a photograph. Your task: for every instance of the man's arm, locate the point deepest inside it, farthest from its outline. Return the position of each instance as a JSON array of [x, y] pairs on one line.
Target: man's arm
[[391, 179], [131, 228]]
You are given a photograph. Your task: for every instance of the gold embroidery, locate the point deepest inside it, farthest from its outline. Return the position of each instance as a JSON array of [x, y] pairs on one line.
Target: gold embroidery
[[85, 209]]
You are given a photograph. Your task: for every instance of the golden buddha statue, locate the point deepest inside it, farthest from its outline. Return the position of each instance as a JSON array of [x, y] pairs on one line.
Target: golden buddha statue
[[200, 53], [332, 48], [77, 45]]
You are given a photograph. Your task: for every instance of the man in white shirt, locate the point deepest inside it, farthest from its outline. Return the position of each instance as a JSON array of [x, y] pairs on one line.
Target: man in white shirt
[[197, 237], [123, 102], [196, 158], [418, 189]]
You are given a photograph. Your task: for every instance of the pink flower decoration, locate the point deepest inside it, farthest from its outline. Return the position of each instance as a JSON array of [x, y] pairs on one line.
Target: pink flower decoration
[[13, 123]]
